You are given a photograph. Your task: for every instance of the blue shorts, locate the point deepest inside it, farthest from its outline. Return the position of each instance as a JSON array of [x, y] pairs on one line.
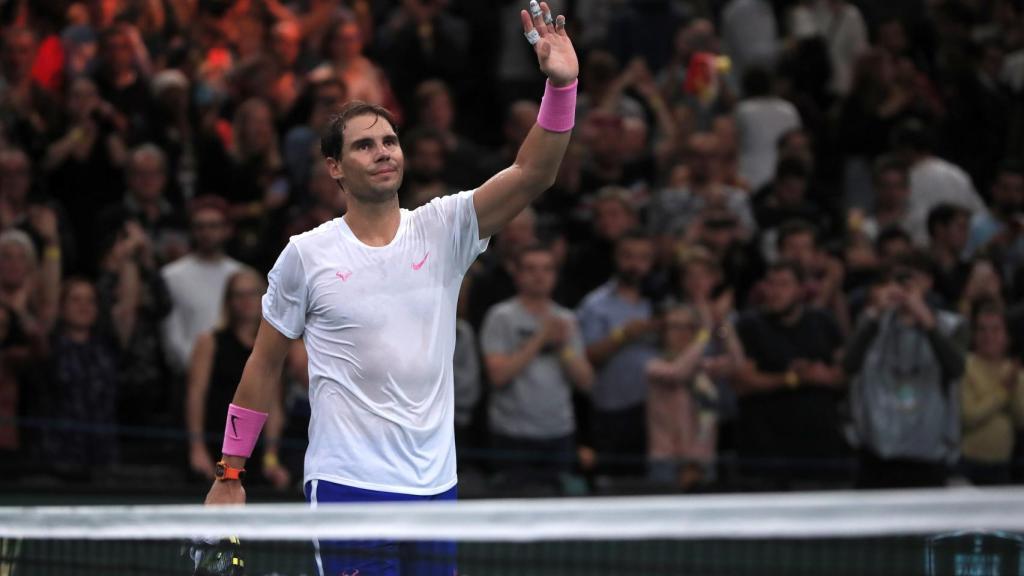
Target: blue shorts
[[378, 557]]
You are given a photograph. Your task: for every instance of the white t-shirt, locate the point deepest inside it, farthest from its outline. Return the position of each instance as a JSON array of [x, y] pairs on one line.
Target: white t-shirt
[[934, 181], [761, 122], [196, 287], [379, 329]]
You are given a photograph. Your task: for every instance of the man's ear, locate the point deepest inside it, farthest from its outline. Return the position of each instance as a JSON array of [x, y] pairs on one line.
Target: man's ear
[[335, 169]]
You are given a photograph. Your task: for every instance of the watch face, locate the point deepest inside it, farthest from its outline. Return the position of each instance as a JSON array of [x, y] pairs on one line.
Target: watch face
[[220, 470]]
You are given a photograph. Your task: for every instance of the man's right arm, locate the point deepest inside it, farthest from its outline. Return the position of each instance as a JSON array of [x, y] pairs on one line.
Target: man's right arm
[[256, 392]]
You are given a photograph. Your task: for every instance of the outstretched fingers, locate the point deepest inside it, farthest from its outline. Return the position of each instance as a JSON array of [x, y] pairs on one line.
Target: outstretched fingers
[[531, 33]]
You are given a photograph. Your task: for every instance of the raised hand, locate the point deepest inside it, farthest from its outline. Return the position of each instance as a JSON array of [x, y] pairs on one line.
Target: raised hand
[[555, 53]]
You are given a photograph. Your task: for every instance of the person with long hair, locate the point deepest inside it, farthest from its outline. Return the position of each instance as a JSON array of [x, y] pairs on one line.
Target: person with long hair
[[217, 362]]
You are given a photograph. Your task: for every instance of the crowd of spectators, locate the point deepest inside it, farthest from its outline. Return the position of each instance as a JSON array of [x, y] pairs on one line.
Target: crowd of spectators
[[784, 249]]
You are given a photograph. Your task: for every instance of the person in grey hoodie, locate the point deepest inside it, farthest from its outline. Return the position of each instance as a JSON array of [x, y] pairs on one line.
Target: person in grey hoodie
[[905, 360]]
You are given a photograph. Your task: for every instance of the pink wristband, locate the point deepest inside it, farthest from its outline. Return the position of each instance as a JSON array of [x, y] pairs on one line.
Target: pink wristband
[[241, 430], [558, 108]]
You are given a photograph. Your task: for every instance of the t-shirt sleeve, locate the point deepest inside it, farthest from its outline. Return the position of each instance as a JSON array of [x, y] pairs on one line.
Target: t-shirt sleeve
[[284, 304], [593, 328], [494, 336], [458, 211]]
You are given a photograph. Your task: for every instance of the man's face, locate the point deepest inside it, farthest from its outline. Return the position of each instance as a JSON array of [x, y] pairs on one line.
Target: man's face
[[210, 230], [146, 177], [535, 274], [799, 248], [633, 260], [18, 56], [14, 265], [699, 280], [612, 219], [371, 163], [438, 112], [258, 130], [348, 41], [703, 158], [892, 189], [954, 234], [427, 161], [79, 307], [782, 291], [15, 176], [117, 52], [1008, 192], [286, 44], [790, 190]]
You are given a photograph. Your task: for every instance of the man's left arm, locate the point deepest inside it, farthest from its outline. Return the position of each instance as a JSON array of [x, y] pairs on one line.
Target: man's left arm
[[508, 192]]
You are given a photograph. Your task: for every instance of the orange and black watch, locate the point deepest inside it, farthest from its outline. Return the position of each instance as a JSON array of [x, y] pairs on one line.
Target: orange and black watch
[[226, 472]]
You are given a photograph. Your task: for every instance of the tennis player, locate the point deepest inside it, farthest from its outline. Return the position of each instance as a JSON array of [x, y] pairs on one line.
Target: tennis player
[[373, 295]]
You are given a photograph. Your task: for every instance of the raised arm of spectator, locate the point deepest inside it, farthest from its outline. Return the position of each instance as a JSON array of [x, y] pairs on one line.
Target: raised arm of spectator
[[574, 359], [535, 168], [44, 220], [665, 143], [681, 368], [125, 309]]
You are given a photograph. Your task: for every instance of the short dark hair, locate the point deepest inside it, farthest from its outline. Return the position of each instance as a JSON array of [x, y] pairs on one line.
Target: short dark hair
[[943, 215], [916, 260], [794, 227], [1012, 167], [421, 134], [912, 135], [209, 202], [784, 265], [890, 233], [888, 164], [332, 139], [532, 248], [757, 81], [634, 235]]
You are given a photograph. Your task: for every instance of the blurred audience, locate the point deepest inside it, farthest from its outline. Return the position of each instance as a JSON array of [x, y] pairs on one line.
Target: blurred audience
[[824, 181]]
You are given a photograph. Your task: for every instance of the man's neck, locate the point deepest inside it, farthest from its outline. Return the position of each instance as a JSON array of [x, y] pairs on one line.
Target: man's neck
[[536, 305], [209, 255], [374, 224], [76, 334], [944, 257], [150, 208], [792, 317], [627, 291]]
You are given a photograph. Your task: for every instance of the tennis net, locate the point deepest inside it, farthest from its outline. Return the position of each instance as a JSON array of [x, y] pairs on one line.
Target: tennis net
[[931, 532]]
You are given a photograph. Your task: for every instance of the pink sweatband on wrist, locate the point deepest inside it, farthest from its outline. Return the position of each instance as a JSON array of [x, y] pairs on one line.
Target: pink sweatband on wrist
[[558, 107], [241, 430]]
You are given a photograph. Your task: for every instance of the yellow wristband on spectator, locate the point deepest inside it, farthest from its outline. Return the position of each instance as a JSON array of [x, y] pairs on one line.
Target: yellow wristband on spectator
[[703, 336], [51, 253], [270, 460], [618, 335], [567, 354]]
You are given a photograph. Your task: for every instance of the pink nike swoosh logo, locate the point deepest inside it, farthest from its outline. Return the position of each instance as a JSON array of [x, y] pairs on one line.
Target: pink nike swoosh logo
[[416, 266], [356, 573], [343, 275]]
